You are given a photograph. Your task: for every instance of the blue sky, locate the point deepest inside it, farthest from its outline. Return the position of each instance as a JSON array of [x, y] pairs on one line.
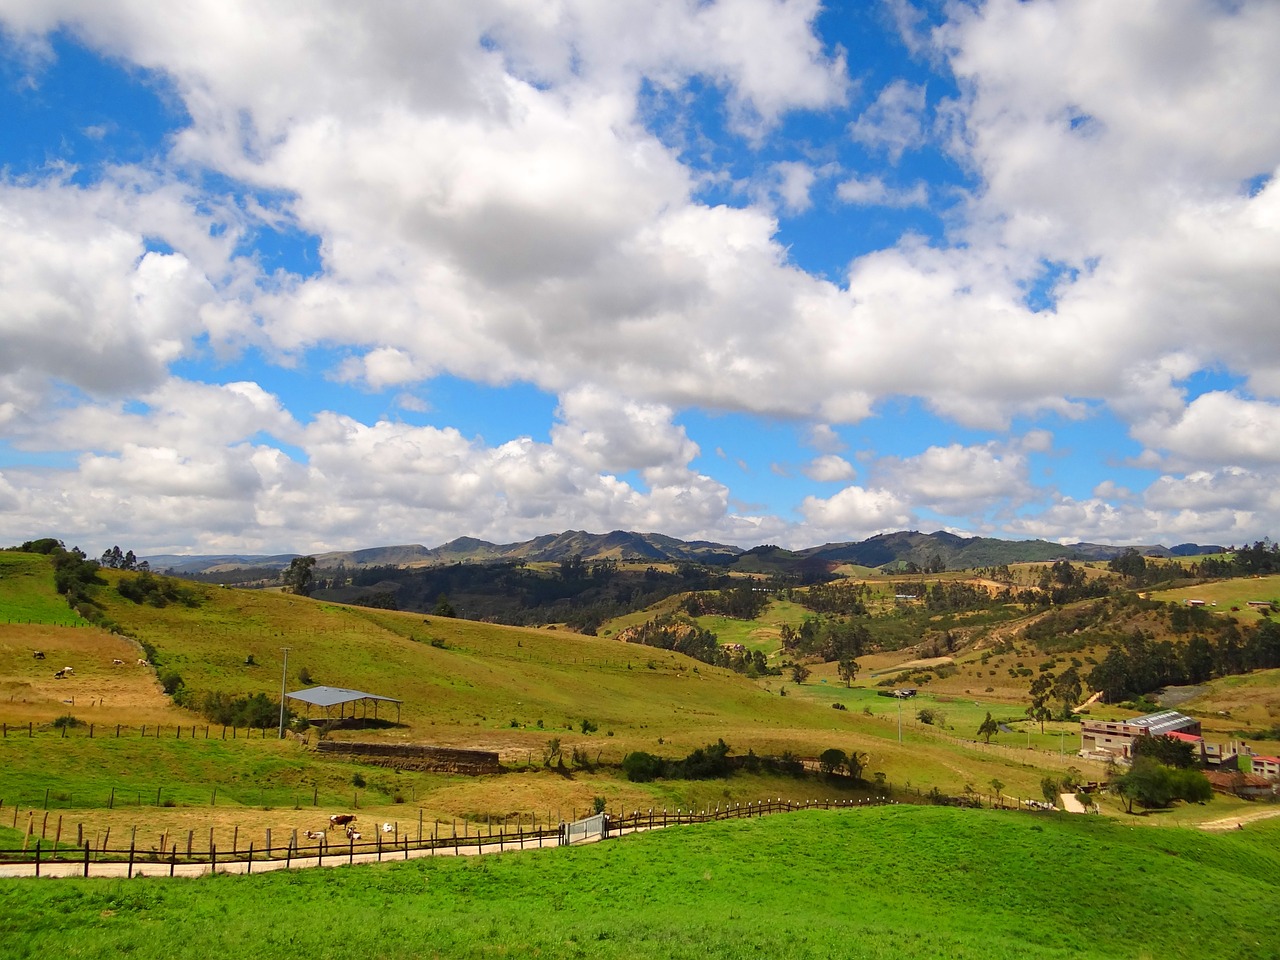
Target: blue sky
[[751, 271]]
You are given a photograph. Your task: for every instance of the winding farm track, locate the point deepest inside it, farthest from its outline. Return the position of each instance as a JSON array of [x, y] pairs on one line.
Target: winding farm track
[[1238, 821]]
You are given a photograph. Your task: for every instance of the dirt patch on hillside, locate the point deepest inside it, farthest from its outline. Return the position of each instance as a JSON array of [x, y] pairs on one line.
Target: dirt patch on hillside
[[1176, 696]]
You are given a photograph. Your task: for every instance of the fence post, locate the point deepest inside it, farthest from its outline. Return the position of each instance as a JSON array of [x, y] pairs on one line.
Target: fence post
[[213, 857], [37, 858], [173, 859], [130, 859], [249, 868]]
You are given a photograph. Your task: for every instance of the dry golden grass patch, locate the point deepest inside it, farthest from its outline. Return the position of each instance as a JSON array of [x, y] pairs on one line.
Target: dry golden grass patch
[[99, 690]]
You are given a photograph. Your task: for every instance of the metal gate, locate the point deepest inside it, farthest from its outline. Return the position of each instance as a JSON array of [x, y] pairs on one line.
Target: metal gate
[[584, 831]]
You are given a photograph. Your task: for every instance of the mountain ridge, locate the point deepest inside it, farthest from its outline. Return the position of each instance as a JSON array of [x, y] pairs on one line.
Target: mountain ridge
[[924, 550]]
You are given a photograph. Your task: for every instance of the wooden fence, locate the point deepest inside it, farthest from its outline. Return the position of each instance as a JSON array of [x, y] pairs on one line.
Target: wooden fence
[[117, 730], [170, 857]]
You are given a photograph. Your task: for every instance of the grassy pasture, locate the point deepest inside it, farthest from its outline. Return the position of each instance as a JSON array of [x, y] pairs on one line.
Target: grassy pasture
[[880, 883], [25, 593], [1231, 596]]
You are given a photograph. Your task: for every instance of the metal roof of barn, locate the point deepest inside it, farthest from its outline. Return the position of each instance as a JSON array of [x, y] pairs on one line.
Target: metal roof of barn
[[1166, 721], [332, 696]]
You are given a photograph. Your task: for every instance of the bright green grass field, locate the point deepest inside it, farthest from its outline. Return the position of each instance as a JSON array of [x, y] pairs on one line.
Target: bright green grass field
[[26, 592], [893, 882]]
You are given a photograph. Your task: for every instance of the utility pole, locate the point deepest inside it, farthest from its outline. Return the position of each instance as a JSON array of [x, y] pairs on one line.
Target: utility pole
[[284, 674]]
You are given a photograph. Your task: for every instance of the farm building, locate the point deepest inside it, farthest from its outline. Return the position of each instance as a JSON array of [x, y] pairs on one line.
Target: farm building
[[1268, 767], [1247, 785], [329, 697], [1115, 737]]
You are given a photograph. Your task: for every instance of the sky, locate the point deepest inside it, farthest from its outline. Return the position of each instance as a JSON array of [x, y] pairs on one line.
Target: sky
[[309, 276]]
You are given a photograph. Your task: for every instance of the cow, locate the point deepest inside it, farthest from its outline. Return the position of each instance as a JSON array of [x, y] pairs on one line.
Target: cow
[[316, 835], [60, 674], [143, 663], [117, 662], [37, 654], [342, 819], [388, 828], [352, 834]]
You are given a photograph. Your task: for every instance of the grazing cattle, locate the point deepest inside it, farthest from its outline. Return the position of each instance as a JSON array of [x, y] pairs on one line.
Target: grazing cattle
[[37, 654], [59, 674], [117, 663], [341, 819], [143, 663], [316, 835], [352, 834], [388, 828]]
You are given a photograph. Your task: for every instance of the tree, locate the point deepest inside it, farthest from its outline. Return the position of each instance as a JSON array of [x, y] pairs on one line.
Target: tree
[[1197, 659], [932, 716], [832, 761], [848, 670], [297, 577], [1050, 788], [1129, 564], [800, 673], [855, 762], [1146, 782], [443, 607], [988, 728], [1067, 690], [1167, 750], [1041, 688]]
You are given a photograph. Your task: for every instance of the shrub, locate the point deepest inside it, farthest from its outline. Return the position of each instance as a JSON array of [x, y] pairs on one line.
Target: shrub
[[641, 767], [357, 780], [170, 680], [839, 706], [67, 720]]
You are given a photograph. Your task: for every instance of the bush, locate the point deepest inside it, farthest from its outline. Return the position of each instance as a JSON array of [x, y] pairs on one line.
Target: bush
[[839, 706], [641, 767], [67, 720], [170, 680]]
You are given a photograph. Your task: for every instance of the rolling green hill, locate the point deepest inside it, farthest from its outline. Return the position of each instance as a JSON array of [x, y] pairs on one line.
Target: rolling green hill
[[880, 884]]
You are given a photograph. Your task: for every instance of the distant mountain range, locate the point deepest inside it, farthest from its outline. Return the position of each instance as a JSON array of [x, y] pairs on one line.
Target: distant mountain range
[[885, 550]]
